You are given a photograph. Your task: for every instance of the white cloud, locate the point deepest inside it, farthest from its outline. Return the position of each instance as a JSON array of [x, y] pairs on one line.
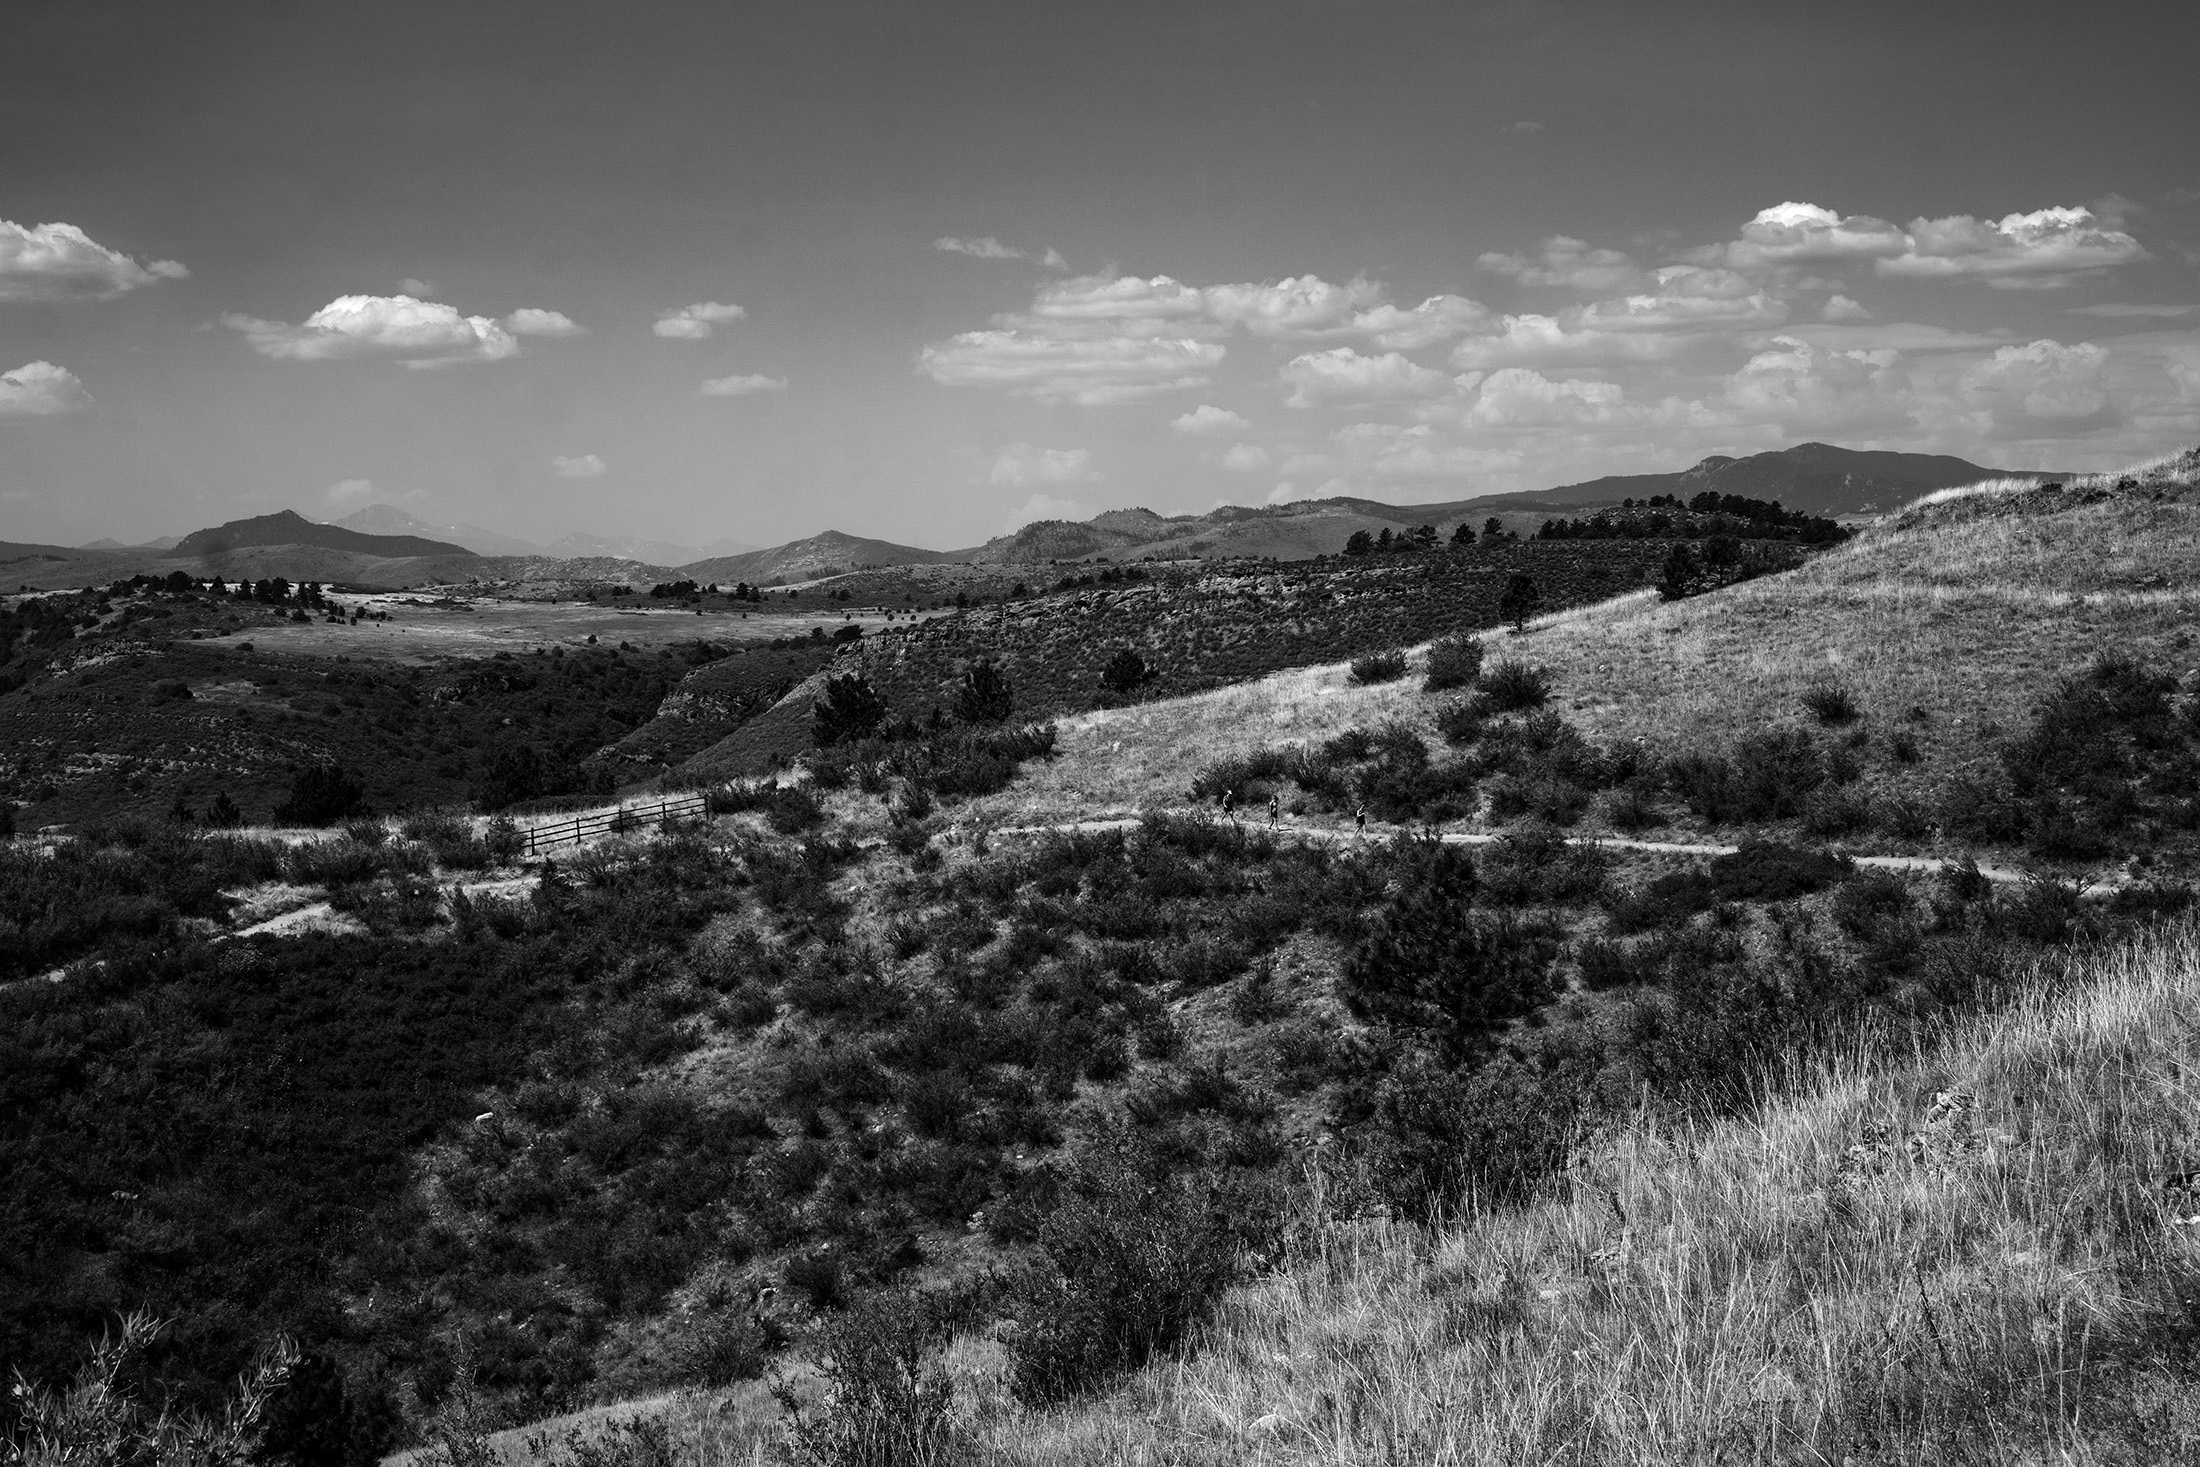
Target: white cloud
[[986, 247], [415, 332], [529, 321], [41, 389], [2043, 249], [1841, 308], [1047, 507], [694, 322], [1207, 418], [1807, 388], [1439, 318], [350, 491], [1298, 308], [1572, 263], [742, 386], [1800, 234], [1074, 368], [1385, 450], [1532, 340], [1687, 299], [1516, 396], [421, 288], [1523, 127], [1344, 375], [581, 466], [59, 262], [1245, 458], [1020, 466], [2042, 385], [1114, 298], [1910, 337]]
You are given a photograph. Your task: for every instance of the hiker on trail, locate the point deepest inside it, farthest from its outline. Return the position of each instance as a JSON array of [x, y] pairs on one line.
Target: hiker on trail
[[1275, 808], [1229, 804], [1359, 820]]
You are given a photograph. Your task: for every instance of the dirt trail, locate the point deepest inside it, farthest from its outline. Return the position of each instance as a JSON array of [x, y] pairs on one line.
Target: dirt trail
[[2091, 890]]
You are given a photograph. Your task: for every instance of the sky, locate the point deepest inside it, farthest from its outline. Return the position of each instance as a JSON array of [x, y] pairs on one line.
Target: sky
[[715, 271]]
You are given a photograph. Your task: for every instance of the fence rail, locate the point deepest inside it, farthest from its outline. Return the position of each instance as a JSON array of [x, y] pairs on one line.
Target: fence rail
[[639, 816]]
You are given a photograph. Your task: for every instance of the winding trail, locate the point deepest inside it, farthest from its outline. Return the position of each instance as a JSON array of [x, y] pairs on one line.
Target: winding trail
[[2090, 890]]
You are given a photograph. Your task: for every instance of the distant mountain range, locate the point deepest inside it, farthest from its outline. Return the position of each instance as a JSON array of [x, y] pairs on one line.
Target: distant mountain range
[[388, 519], [383, 545]]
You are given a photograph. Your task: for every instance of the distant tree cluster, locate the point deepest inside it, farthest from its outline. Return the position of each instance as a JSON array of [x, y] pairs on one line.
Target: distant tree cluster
[[1708, 514], [1420, 537]]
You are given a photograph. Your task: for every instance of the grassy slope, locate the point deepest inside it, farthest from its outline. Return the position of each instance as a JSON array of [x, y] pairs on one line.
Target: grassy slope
[[1968, 606], [1853, 1273]]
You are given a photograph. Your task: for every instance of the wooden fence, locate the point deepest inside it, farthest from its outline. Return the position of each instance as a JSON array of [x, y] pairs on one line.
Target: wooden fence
[[638, 816]]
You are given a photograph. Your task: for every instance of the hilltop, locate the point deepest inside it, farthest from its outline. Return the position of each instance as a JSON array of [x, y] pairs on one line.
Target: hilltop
[[288, 527]]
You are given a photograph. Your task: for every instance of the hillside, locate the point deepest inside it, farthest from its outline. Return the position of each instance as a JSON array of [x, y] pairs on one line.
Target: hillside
[[1976, 1253], [802, 560], [288, 527]]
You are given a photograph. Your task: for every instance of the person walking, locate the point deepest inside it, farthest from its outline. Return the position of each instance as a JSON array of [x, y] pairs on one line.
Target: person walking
[[1229, 804], [1275, 810], [1359, 821]]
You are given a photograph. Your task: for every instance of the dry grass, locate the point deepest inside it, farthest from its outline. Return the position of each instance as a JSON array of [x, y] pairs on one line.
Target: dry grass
[[1858, 1273], [1968, 606]]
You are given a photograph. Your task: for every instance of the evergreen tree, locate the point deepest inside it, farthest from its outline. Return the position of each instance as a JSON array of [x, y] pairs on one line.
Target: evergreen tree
[[851, 709], [985, 695], [1521, 600]]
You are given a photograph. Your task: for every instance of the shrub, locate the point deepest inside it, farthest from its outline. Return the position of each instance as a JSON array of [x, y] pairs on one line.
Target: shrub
[[1461, 720], [1453, 662], [1762, 871], [320, 794], [1515, 686], [1379, 667], [1831, 813], [888, 1401], [1605, 964], [1125, 673], [1629, 809], [1774, 773], [984, 695], [1133, 1254], [1831, 704], [1441, 1139]]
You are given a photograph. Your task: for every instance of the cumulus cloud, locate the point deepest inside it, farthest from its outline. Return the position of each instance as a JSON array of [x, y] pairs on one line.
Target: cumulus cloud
[[1687, 298], [742, 386], [694, 322], [415, 332], [1115, 299], [1803, 387], [1568, 262], [2041, 387], [1020, 466], [421, 288], [350, 491], [1344, 375], [1914, 338], [2040, 250], [1439, 318], [51, 263], [1207, 418], [1805, 234], [1301, 307], [1532, 340], [1841, 308], [41, 389], [528, 321], [1090, 370], [1245, 458], [1517, 396], [577, 466], [1047, 507], [986, 247]]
